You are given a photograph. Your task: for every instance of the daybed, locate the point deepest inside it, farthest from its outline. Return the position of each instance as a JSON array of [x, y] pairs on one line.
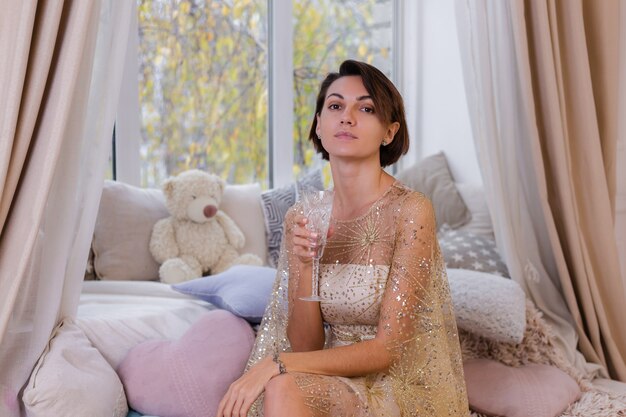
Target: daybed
[[122, 306]]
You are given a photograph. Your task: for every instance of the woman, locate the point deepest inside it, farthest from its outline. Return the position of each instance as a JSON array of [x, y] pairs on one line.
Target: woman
[[390, 345]]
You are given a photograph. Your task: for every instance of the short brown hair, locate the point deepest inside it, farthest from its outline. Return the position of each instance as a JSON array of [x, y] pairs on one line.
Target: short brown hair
[[386, 98]]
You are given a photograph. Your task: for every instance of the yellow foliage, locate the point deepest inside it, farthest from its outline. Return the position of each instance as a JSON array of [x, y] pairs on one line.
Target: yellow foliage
[[297, 170], [327, 176], [238, 11], [362, 51], [185, 7], [309, 154]]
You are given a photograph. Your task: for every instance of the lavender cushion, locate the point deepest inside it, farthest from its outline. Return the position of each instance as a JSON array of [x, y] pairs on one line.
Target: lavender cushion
[[188, 377], [534, 390], [244, 290]]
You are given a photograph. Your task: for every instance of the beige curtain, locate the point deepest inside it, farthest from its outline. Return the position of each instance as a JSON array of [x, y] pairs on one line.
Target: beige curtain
[[59, 79], [541, 82], [574, 60]]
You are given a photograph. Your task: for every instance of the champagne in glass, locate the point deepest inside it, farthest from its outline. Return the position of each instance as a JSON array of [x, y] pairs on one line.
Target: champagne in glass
[[317, 207]]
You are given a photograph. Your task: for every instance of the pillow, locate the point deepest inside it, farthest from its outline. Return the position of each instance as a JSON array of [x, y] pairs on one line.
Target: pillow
[[133, 413], [71, 378], [534, 390], [488, 305], [122, 233], [243, 290], [474, 198], [242, 203], [432, 177], [126, 217], [466, 250], [276, 202], [118, 315], [188, 377]]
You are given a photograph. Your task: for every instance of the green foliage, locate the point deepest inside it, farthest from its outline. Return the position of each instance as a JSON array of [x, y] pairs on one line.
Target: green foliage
[[203, 68]]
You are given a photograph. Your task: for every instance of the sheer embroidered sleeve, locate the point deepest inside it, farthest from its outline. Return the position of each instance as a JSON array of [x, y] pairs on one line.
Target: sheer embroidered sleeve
[[417, 321]]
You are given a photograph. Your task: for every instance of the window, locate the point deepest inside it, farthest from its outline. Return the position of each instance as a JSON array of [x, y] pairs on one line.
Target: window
[[205, 74], [203, 88]]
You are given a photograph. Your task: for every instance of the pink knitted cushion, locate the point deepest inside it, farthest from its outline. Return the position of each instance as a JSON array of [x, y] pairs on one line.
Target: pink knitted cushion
[[533, 390], [188, 377]]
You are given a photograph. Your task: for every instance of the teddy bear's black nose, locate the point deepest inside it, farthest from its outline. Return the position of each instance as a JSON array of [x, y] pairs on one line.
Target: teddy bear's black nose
[[209, 211]]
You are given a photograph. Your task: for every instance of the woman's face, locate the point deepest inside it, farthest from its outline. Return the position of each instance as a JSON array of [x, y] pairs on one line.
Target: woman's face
[[348, 123]]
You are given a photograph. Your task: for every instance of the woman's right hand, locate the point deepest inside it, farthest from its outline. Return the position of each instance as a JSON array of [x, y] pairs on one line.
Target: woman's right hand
[[244, 391], [309, 333], [304, 240]]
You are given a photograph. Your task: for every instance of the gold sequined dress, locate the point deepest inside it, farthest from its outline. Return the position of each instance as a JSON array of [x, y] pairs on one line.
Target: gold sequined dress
[[383, 276]]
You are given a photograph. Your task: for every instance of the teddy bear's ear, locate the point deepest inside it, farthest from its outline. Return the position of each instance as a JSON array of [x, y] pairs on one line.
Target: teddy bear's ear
[[168, 187], [222, 184]]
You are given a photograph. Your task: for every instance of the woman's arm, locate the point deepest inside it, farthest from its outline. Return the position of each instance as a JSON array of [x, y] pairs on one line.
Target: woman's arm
[[305, 327], [358, 359]]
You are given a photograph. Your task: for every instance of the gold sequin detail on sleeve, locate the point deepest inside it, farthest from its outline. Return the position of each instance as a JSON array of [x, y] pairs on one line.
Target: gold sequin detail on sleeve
[[383, 276]]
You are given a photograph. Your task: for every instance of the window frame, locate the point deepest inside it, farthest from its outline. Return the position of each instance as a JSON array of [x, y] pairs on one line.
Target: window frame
[[406, 76]]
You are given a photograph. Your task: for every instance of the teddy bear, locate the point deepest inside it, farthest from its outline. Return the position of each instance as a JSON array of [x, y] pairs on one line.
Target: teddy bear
[[197, 238]]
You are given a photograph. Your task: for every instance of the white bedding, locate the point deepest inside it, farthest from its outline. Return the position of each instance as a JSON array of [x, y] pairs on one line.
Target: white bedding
[[117, 315]]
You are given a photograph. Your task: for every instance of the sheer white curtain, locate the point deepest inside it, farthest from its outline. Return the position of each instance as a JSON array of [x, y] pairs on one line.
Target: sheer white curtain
[[45, 240], [504, 115]]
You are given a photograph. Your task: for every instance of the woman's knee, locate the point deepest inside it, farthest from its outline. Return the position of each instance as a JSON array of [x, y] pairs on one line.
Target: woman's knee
[[278, 386], [283, 397]]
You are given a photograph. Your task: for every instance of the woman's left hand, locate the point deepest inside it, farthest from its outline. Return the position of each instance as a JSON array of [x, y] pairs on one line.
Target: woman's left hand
[[244, 391]]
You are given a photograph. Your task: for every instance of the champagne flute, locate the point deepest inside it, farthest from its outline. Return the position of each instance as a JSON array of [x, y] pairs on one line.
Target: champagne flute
[[317, 207]]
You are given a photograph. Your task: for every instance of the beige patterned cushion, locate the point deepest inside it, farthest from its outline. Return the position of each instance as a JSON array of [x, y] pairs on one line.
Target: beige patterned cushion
[[466, 250]]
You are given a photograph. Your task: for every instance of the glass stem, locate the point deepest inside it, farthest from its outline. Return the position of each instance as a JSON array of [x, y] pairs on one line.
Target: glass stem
[[315, 277]]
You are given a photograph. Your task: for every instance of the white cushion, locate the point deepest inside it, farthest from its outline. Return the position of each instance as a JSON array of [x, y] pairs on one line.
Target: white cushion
[[118, 315], [73, 379], [243, 204], [488, 305], [474, 197]]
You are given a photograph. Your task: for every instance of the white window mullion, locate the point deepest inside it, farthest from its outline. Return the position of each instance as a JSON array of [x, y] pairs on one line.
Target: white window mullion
[[281, 92], [408, 51]]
